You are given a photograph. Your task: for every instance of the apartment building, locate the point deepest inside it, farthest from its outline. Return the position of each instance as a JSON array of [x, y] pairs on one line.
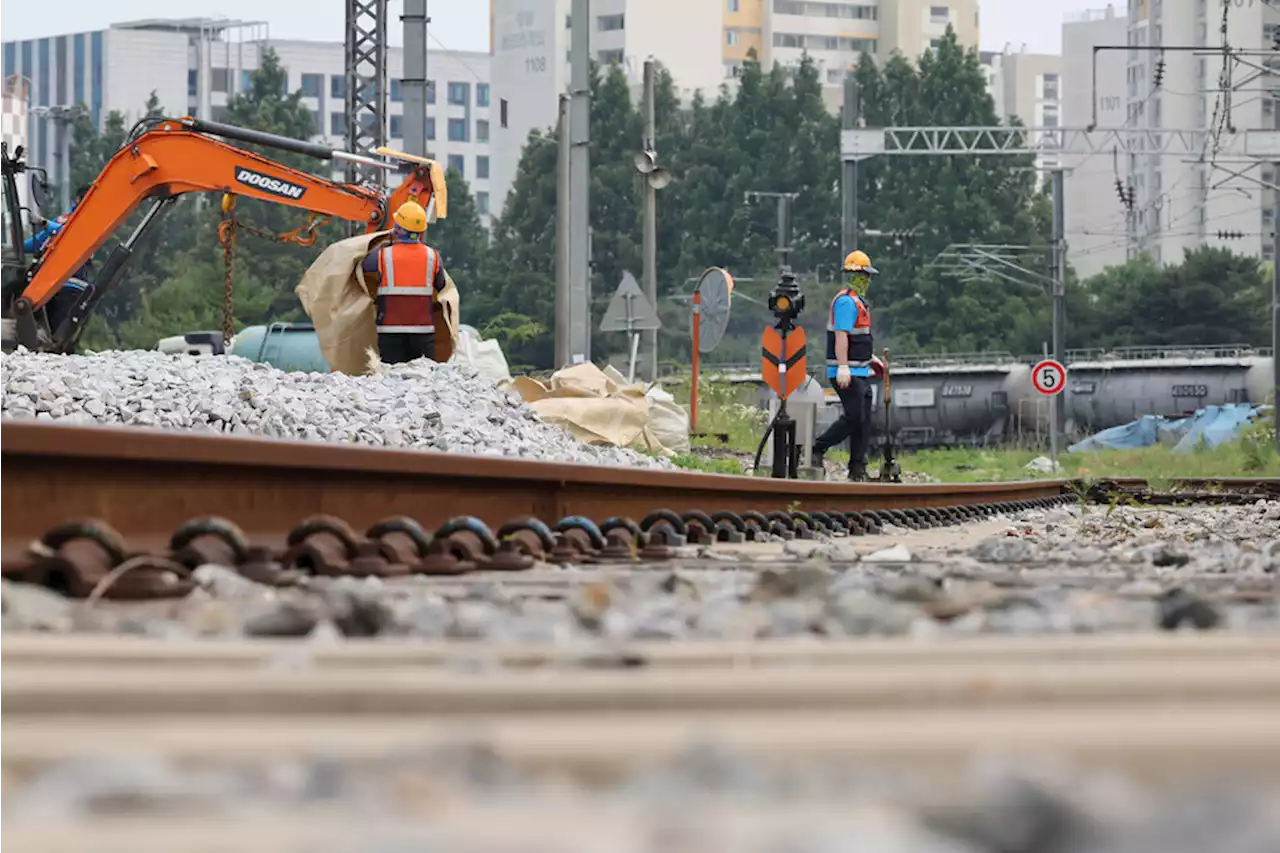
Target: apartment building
[[1025, 86], [196, 65], [1093, 216], [703, 44]]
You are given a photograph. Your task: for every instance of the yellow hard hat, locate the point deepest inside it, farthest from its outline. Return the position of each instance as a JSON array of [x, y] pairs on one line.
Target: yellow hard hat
[[857, 261], [411, 217]]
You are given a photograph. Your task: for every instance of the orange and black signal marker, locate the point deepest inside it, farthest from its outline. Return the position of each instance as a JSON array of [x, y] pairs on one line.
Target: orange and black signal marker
[[782, 362]]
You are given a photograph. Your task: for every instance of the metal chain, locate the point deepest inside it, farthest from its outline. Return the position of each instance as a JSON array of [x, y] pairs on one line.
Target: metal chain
[[228, 306], [304, 235]]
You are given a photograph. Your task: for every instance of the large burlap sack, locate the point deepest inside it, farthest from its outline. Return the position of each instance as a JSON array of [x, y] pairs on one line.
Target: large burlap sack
[[339, 301]]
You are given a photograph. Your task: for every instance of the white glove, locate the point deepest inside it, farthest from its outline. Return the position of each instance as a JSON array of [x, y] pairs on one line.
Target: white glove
[[843, 376]]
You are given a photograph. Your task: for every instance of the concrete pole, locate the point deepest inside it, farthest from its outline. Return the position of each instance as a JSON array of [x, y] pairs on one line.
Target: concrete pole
[[413, 77], [562, 235], [1059, 293], [1275, 311], [62, 120], [580, 182], [784, 230], [650, 238], [849, 176]]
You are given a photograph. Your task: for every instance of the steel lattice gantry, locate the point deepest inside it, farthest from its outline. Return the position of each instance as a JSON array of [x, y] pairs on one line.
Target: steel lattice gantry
[[366, 74], [861, 143]]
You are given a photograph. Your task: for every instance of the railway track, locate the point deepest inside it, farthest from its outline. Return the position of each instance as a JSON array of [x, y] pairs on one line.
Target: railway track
[[97, 499], [129, 514]]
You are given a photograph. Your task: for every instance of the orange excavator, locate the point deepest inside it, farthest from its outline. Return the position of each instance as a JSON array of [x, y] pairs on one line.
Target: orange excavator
[[163, 159]]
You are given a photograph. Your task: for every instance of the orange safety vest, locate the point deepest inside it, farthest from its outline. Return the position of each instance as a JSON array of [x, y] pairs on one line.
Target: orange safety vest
[[860, 343], [406, 290]]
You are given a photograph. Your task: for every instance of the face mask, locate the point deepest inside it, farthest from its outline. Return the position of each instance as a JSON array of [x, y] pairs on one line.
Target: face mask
[[859, 282]]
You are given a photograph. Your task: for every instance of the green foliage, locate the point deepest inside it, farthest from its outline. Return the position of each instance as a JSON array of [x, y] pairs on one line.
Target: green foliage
[[772, 133]]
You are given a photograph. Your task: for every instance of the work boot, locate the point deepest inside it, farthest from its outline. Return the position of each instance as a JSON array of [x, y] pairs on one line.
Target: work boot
[[858, 473]]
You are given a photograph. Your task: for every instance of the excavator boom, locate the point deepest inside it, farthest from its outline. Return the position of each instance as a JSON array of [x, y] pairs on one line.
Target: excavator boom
[[176, 156]]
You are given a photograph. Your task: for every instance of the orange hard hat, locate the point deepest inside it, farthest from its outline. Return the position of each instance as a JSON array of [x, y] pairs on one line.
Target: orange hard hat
[[857, 261]]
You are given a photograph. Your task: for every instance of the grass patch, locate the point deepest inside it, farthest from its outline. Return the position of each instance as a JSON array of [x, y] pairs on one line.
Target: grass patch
[[724, 408], [1242, 458], [732, 410]]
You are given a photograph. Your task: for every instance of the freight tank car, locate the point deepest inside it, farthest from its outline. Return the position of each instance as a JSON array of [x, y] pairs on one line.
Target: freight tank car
[[948, 400], [1106, 389]]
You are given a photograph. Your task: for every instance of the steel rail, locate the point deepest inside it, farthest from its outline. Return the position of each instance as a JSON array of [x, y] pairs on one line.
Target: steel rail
[[147, 482]]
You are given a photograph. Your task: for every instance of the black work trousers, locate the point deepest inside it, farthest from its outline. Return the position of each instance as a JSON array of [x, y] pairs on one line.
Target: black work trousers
[[853, 424], [399, 347]]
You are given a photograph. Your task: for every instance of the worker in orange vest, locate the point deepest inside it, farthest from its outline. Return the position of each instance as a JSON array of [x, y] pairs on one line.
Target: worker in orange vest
[[410, 278], [850, 363]]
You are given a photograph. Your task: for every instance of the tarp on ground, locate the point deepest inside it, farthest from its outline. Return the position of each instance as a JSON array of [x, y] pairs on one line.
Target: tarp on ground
[[600, 407], [1214, 424], [339, 301]]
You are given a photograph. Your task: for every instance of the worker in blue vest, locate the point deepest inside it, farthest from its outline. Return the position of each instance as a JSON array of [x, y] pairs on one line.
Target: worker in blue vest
[[850, 363]]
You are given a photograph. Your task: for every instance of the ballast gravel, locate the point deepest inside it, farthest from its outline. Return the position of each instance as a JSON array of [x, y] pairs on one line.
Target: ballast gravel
[[421, 405]]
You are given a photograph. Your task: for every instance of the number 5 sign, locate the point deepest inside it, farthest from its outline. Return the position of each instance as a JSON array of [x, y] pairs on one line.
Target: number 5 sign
[[1049, 377]]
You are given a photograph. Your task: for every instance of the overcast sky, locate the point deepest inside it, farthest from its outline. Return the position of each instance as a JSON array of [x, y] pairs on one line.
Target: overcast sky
[[456, 24]]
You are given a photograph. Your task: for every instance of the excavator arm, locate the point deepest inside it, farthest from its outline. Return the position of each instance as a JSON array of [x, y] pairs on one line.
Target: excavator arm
[[176, 156]]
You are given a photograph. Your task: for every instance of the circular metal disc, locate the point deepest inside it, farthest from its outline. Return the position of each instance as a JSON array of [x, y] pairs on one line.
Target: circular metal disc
[[715, 292]]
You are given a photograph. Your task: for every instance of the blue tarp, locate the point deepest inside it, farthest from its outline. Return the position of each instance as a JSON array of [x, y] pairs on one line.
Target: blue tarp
[[1212, 425]]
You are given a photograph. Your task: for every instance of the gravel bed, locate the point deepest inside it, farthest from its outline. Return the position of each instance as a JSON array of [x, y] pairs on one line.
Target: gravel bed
[[423, 405], [1074, 569], [697, 801]]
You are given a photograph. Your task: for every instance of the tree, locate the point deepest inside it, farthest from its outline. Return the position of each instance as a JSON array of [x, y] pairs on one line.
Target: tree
[[457, 237]]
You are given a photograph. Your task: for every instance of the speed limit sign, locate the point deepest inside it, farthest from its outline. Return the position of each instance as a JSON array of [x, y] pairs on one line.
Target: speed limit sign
[[1049, 377]]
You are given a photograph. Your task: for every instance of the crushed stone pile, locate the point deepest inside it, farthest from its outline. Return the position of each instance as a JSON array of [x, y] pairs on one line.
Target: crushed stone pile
[[422, 405]]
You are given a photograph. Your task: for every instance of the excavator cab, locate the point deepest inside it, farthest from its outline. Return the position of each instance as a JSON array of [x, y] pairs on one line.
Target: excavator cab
[[22, 187]]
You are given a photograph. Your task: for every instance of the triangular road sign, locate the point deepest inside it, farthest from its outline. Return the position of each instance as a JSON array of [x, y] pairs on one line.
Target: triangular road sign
[[629, 309]]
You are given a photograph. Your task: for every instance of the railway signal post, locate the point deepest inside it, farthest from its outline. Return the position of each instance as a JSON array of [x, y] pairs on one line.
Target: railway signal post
[[784, 369], [1049, 378]]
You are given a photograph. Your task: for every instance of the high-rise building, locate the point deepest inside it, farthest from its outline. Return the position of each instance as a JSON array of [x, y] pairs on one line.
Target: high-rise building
[[195, 66], [703, 44], [1124, 203], [1025, 86], [1093, 214]]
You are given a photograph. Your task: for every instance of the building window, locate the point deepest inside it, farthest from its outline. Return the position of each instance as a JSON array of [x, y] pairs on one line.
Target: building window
[[397, 127], [221, 80], [192, 80], [482, 94], [458, 93], [431, 91], [934, 44], [732, 5], [456, 161], [731, 37], [337, 86], [1050, 118], [246, 81], [1051, 87], [484, 235], [502, 113], [431, 129], [319, 120], [607, 23], [482, 167], [482, 203], [939, 14], [610, 57], [312, 85], [482, 130], [337, 124], [458, 130], [397, 91]]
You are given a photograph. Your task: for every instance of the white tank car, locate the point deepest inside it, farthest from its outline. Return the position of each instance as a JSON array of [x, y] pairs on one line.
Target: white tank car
[[1106, 389]]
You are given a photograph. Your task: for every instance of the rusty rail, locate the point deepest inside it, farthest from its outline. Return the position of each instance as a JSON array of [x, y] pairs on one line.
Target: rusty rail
[[80, 503]]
